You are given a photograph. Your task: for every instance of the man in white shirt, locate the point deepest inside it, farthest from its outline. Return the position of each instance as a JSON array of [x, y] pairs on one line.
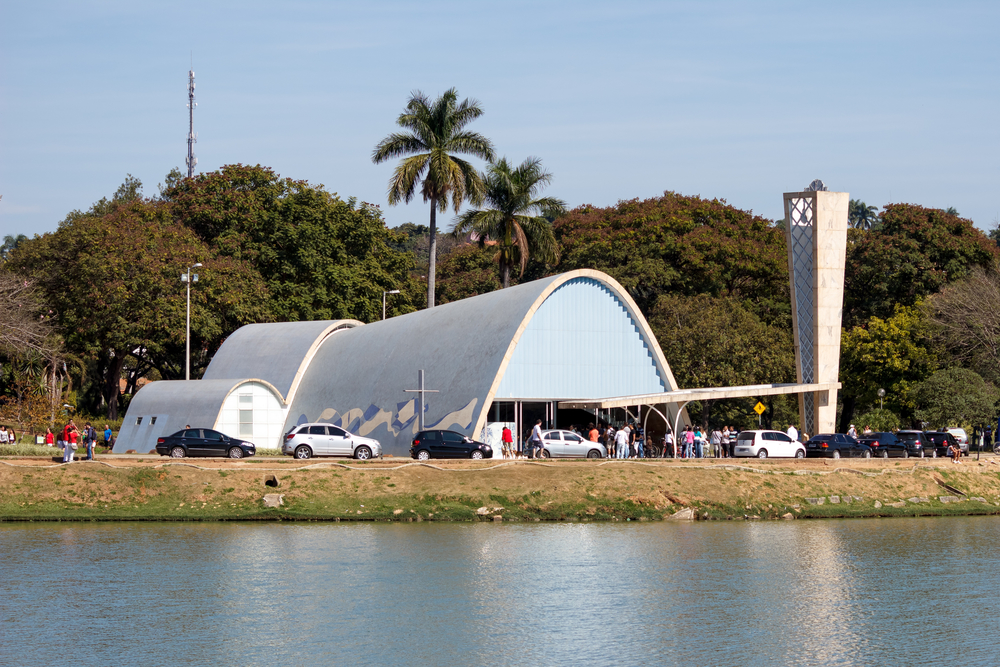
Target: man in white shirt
[[536, 440], [793, 433], [621, 443]]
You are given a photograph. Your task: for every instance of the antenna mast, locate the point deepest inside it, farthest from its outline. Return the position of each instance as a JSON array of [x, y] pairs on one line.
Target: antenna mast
[[191, 160]]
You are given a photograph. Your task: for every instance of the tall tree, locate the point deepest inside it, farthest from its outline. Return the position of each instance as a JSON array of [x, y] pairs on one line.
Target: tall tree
[[860, 215], [891, 354], [435, 133], [519, 220], [112, 282], [966, 319], [913, 253], [956, 396], [321, 257], [677, 244]]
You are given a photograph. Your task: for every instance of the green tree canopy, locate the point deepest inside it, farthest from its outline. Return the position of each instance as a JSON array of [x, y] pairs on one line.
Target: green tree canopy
[[891, 354], [518, 220], [676, 244], [913, 253], [717, 342], [320, 257], [435, 133], [956, 397], [111, 277]]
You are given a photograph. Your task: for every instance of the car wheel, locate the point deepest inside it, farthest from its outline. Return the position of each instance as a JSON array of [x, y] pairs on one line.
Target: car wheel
[[906, 453], [303, 452], [423, 455], [921, 453], [868, 455], [800, 454], [885, 453], [235, 453], [177, 453], [934, 454], [476, 454], [593, 454], [762, 454], [544, 454], [362, 453], [836, 453]]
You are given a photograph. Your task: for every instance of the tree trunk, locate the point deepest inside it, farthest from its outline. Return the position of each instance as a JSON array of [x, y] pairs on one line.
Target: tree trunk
[[504, 275], [111, 378], [432, 252], [848, 413]]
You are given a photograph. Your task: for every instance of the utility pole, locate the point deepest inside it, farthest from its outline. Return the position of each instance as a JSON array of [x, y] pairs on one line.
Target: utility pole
[[191, 160]]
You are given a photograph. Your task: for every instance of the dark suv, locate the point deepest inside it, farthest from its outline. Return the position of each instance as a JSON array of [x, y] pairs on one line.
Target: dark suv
[[447, 445], [884, 444], [942, 441], [917, 443], [836, 445]]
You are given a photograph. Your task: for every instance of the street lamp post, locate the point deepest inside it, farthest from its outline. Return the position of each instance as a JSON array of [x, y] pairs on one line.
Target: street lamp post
[[881, 396], [188, 277], [392, 291]]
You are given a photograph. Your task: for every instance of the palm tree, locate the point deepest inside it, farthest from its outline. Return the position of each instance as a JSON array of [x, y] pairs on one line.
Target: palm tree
[[518, 222], [860, 215], [435, 132], [10, 243]]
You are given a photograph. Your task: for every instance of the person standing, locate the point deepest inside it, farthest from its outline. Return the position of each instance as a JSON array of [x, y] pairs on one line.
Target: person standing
[[716, 443], [89, 440], [49, 437], [592, 433], [107, 437], [733, 434], [793, 432], [640, 440], [668, 444], [725, 442], [3, 435], [688, 442], [853, 432], [621, 443], [507, 438], [71, 438], [536, 440]]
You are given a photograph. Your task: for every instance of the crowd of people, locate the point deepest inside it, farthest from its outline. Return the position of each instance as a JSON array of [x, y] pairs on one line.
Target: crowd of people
[[631, 442]]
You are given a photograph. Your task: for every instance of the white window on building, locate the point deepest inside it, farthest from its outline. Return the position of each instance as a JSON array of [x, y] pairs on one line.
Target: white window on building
[[246, 415]]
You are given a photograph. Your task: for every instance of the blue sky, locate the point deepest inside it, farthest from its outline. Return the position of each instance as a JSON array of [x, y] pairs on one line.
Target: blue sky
[[890, 101]]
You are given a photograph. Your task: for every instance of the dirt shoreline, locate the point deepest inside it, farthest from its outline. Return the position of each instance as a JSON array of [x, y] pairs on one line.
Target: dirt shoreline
[[149, 488]]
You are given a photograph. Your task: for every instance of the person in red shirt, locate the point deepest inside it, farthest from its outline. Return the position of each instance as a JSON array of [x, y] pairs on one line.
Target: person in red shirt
[[49, 438], [71, 445], [508, 439], [592, 433]]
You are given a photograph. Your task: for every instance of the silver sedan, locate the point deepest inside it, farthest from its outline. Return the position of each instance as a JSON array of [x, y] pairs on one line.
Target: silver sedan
[[567, 444]]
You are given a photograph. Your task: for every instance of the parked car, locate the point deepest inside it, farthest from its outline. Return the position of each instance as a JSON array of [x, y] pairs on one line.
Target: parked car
[[308, 440], [567, 444], [961, 436], [448, 445], [942, 441], [203, 442], [836, 446], [762, 444], [885, 444], [917, 443]]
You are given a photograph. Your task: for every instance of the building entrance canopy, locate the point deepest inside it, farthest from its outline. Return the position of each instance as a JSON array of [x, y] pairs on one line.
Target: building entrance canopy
[[708, 394]]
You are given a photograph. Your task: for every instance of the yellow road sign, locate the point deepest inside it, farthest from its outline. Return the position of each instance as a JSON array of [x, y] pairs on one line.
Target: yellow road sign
[[759, 408]]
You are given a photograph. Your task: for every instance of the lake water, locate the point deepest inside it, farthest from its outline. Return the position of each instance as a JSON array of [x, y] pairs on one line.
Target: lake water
[[852, 592]]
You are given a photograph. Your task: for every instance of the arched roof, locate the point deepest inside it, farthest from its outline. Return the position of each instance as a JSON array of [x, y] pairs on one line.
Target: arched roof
[[358, 377], [278, 352], [175, 404]]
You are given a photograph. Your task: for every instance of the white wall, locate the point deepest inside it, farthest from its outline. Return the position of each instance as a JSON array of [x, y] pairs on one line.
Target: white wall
[[252, 412]]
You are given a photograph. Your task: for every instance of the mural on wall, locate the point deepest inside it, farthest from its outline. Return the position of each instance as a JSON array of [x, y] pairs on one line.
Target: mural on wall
[[403, 418]]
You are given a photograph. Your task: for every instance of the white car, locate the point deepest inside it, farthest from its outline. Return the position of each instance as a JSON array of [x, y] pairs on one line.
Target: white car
[[308, 440], [961, 436], [762, 444], [565, 444]]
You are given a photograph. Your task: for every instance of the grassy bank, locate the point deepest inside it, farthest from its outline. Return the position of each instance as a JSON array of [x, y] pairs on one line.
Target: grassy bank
[[160, 489]]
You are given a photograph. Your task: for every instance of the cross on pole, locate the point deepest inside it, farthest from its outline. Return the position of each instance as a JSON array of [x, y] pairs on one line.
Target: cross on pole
[[420, 398]]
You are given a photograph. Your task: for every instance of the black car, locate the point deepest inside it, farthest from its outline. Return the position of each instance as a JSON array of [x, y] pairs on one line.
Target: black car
[[447, 445], [836, 445], [203, 442], [917, 443], [942, 441], [885, 444]]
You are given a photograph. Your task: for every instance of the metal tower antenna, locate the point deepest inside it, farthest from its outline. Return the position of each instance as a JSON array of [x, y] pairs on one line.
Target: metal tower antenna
[[191, 160]]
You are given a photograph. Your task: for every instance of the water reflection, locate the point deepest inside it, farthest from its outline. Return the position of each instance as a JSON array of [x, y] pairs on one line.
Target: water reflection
[[903, 592]]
